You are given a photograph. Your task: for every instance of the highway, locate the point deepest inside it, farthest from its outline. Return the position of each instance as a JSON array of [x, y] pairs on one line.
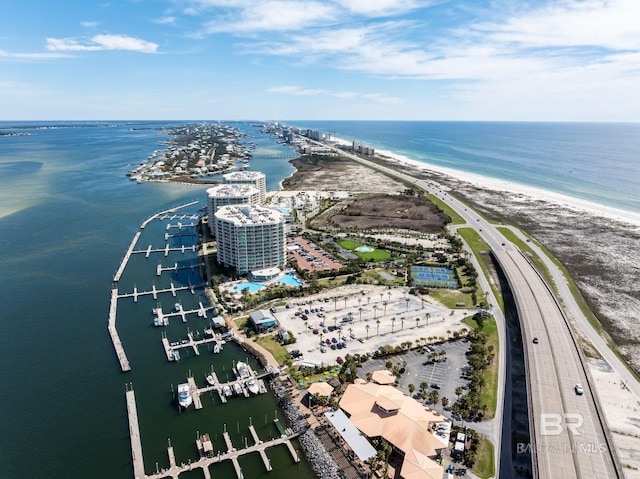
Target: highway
[[569, 436]]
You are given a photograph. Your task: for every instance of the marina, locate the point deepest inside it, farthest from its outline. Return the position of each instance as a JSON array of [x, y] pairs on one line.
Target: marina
[[155, 292], [162, 318], [175, 267], [231, 454]]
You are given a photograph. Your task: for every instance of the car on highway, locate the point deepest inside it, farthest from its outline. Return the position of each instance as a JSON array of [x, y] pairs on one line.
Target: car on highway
[[579, 390], [536, 340]]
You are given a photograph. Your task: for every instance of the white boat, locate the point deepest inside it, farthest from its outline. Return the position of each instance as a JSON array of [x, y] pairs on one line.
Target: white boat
[[226, 390], [237, 388], [216, 347], [252, 386], [210, 379], [208, 331], [184, 395], [176, 355], [242, 370], [178, 307]]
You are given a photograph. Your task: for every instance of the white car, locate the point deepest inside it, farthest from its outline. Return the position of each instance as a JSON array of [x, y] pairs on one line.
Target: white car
[[579, 390]]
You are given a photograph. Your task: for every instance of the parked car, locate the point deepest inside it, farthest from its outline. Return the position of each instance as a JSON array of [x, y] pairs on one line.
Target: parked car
[[339, 360], [579, 390]]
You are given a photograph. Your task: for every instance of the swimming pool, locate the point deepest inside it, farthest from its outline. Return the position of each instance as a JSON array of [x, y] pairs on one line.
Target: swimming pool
[[287, 280]]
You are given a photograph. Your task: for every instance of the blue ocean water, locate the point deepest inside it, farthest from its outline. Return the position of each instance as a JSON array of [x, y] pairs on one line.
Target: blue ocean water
[[598, 162]]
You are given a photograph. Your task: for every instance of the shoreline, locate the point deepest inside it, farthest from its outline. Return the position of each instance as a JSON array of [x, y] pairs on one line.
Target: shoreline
[[487, 182]]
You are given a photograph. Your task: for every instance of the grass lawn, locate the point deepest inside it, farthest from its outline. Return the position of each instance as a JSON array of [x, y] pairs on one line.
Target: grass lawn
[[489, 392], [274, 347], [484, 466], [375, 255], [449, 297]]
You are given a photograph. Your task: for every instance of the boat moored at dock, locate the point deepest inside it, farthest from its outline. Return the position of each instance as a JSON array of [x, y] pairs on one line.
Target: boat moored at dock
[[252, 386], [184, 395]]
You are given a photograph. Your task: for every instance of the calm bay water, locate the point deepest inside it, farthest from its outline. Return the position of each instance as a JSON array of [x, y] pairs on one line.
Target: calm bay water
[[67, 216]]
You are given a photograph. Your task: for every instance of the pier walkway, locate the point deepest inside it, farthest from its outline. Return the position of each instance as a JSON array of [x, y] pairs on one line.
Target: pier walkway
[[175, 267], [231, 454], [134, 433], [166, 250], [191, 343], [201, 312], [115, 339], [155, 292], [123, 264]]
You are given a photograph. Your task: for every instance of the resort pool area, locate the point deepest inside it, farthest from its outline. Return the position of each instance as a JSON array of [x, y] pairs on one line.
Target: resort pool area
[[287, 280]]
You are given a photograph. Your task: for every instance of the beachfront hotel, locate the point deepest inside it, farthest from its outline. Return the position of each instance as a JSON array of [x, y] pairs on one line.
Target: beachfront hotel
[[250, 237], [254, 178], [224, 195]]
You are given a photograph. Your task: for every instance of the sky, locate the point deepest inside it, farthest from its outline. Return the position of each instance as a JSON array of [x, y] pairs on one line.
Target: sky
[[538, 60]]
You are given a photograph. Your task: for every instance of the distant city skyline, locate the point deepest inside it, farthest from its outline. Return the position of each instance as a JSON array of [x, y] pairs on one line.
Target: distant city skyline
[[561, 60]]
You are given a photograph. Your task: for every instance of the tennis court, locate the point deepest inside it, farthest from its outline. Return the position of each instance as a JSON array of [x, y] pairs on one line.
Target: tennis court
[[434, 276]]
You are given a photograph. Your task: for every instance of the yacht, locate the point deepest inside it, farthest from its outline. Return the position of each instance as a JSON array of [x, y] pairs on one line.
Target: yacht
[[184, 395], [216, 347], [210, 379], [237, 388], [252, 386], [226, 390], [242, 370]]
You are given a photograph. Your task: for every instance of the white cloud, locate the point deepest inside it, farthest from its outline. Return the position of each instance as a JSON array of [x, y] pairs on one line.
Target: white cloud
[[102, 42], [166, 20], [89, 24], [380, 8], [611, 24], [345, 95], [273, 15], [4, 55]]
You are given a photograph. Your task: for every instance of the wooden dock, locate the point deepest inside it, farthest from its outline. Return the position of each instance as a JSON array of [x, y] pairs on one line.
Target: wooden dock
[[175, 267], [191, 343], [197, 403], [166, 250], [134, 434], [125, 260], [115, 339], [231, 454], [201, 312], [155, 292]]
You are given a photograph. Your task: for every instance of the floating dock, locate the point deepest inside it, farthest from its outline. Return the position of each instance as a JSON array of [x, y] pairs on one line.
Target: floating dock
[[115, 339], [134, 434], [231, 454]]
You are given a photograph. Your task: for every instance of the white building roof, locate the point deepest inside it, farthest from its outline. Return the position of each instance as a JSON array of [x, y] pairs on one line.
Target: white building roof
[[226, 191], [243, 175], [247, 215]]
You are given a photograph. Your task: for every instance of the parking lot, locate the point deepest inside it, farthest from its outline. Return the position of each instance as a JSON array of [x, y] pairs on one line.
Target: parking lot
[[445, 376], [361, 318]]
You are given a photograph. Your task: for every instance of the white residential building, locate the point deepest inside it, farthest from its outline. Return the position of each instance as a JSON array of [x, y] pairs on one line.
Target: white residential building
[[250, 237], [254, 178], [223, 195]]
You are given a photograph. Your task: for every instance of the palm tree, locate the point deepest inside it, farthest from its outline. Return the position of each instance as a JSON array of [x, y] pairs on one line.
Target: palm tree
[[385, 307], [445, 401], [360, 311], [389, 295], [417, 321], [421, 299], [367, 327], [377, 327], [427, 316], [335, 321], [368, 299], [406, 299], [375, 310], [345, 301], [381, 295], [412, 388], [393, 322], [402, 323], [360, 301], [350, 331]]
